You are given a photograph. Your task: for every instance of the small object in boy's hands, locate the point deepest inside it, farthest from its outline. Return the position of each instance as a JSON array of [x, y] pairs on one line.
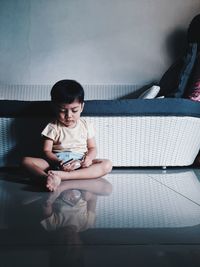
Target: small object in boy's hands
[[73, 164], [67, 162]]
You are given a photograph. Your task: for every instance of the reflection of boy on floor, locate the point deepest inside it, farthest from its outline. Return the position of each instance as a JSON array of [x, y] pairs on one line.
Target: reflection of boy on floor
[[75, 208], [67, 137]]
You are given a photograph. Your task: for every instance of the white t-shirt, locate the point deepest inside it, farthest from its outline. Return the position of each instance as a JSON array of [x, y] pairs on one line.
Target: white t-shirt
[[69, 139]]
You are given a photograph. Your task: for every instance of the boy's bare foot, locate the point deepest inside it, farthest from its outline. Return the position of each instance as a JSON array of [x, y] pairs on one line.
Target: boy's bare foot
[[53, 181]]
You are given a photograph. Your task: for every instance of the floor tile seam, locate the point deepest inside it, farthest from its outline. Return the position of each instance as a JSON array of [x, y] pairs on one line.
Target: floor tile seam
[[182, 195], [153, 244]]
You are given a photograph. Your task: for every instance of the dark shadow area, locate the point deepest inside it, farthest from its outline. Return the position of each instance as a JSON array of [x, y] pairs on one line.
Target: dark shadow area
[[176, 44], [26, 132]]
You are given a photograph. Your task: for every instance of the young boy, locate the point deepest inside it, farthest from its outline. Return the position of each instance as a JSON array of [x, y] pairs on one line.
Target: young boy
[[68, 137]]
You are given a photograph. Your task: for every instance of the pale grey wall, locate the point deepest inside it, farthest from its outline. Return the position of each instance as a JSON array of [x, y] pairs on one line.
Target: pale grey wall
[[93, 41]]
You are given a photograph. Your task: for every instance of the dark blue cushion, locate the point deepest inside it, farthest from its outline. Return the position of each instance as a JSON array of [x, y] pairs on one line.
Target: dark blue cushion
[[128, 107], [186, 70]]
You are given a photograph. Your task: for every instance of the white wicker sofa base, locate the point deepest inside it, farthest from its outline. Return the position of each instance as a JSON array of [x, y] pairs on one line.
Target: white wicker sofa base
[[131, 133]]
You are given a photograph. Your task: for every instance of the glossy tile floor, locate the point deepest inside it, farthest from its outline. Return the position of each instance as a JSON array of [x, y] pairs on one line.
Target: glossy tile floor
[[131, 217]]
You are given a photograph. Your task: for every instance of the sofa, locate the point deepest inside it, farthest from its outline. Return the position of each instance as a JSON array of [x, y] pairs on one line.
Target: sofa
[[130, 132]]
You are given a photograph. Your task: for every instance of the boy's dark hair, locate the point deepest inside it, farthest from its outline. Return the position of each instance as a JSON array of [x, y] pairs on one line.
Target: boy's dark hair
[[67, 91]]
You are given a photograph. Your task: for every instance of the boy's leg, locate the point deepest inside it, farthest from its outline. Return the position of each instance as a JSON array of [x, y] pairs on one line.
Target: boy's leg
[[37, 167], [99, 168]]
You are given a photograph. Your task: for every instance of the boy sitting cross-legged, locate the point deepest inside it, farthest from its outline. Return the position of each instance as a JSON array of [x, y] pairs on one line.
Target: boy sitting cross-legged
[[68, 137]]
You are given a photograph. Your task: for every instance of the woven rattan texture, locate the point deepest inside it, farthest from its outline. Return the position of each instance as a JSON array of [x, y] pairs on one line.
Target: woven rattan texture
[[126, 141], [148, 141]]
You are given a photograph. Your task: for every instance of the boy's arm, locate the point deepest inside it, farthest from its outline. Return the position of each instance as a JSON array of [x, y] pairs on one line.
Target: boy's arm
[[47, 150], [91, 153]]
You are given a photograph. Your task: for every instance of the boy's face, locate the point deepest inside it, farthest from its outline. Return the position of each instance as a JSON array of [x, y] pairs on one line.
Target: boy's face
[[68, 114]]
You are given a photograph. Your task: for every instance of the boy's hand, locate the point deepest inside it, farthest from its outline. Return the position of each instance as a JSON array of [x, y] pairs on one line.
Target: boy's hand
[[86, 162]]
